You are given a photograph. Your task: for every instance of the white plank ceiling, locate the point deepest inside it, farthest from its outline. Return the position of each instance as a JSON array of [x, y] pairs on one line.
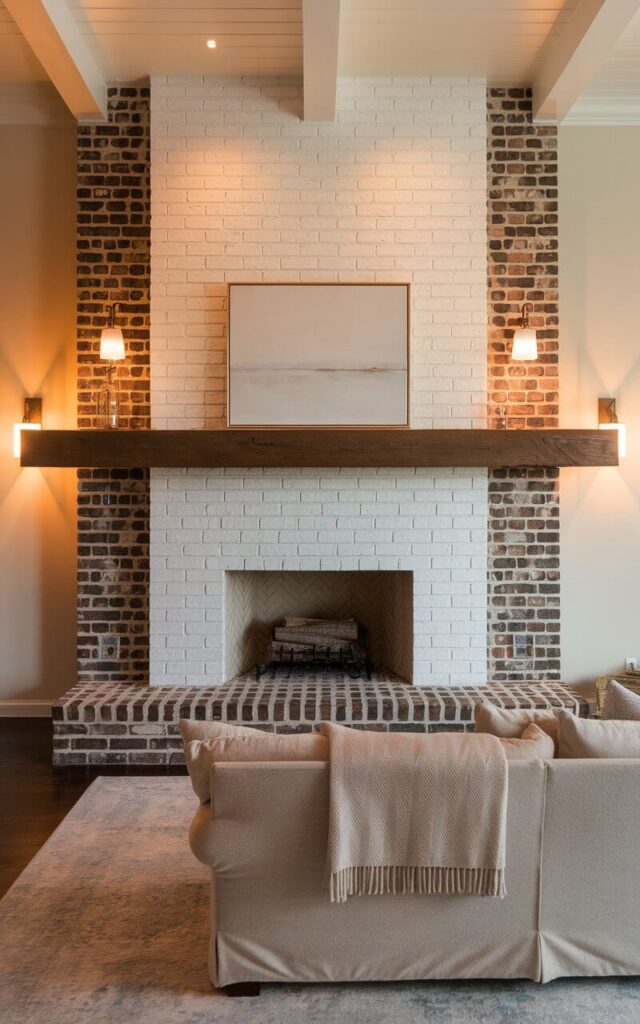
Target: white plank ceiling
[[499, 39], [502, 40], [496, 39], [133, 38]]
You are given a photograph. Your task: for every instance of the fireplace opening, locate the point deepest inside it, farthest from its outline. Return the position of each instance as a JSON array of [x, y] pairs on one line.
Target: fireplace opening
[[258, 605]]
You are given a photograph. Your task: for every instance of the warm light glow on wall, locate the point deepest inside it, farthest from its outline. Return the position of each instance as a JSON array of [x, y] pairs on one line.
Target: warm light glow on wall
[[17, 435], [621, 429]]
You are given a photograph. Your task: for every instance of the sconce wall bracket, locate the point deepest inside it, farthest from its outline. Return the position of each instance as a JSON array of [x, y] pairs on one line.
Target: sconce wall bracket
[[31, 420], [607, 410], [608, 420], [32, 410]]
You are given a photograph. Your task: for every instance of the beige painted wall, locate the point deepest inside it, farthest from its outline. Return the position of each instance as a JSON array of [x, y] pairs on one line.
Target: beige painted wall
[[600, 356], [37, 357]]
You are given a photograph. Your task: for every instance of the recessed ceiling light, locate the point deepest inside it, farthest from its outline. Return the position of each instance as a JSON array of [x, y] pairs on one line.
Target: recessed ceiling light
[[211, 43]]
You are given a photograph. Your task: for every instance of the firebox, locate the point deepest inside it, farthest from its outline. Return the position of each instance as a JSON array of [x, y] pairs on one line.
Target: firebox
[[257, 606]]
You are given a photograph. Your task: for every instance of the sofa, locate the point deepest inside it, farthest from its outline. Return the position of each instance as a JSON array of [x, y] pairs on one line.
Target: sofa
[[572, 874]]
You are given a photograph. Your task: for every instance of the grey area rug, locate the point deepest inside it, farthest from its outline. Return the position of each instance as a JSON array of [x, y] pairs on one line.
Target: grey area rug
[[108, 924]]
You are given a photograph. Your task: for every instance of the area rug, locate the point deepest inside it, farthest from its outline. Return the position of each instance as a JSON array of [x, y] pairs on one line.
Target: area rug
[[108, 924]]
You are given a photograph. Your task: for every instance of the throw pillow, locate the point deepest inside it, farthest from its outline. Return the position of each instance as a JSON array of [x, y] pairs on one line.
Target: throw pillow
[[192, 730], [591, 737], [208, 743], [534, 744], [621, 703], [510, 722]]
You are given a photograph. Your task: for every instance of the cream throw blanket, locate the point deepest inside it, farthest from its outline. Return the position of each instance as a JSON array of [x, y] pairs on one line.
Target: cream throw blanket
[[415, 813]]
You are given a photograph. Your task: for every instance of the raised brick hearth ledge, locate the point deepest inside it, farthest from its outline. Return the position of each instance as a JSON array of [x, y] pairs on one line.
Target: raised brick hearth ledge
[[111, 724]]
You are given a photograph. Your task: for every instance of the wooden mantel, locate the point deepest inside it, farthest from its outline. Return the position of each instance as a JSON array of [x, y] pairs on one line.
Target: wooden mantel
[[122, 449]]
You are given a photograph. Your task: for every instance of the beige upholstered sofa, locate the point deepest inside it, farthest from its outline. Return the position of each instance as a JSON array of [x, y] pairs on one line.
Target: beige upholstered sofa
[[572, 875]]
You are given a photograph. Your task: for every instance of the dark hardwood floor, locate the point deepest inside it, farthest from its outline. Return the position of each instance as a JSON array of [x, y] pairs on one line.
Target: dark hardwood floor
[[33, 798], [32, 801]]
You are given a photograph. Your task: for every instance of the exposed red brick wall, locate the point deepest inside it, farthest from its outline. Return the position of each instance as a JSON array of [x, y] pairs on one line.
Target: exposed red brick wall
[[524, 552], [114, 266]]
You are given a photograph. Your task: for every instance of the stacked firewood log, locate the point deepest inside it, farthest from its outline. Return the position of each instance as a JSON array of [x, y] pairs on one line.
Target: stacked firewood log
[[318, 641]]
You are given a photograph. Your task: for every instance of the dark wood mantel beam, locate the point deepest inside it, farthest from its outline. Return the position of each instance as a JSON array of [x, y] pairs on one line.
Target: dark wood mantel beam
[[115, 449]]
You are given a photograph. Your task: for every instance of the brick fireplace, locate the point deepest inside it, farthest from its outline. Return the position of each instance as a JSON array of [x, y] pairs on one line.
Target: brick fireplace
[[243, 190], [373, 197], [425, 526]]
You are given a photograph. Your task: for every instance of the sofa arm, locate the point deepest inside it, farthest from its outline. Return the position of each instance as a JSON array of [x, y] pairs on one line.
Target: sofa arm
[[590, 880], [201, 835]]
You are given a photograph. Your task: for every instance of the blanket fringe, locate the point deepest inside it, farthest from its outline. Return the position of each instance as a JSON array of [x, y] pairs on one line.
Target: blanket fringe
[[428, 881]]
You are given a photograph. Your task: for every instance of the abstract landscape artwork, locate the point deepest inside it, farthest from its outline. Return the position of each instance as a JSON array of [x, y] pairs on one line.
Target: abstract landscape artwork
[[318, 354]]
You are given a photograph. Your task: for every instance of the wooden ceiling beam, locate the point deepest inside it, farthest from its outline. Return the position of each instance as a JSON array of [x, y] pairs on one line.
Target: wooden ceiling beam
[[577, 53], [320, 34], [51, 31]]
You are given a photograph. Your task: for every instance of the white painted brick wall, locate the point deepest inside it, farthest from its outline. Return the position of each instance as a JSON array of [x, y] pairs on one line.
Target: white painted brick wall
[[207, 522], [395, 190]]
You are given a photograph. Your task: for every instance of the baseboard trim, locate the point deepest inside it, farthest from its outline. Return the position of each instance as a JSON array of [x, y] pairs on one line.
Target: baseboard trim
[[25, 708]]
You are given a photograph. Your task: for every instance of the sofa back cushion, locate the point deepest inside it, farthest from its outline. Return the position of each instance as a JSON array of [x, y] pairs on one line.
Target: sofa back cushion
[[589, 737], [511, 722], [208, 743], [534, 743], [621, 703]]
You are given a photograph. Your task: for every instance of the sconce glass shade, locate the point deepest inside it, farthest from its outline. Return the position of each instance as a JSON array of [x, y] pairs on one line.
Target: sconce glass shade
[[525, 345], [622, 436], [112, 344], [17, 435], [109, 405]]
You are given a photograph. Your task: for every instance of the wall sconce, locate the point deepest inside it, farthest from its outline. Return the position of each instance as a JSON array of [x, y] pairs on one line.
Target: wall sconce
[[32, 420], [112, 351], [608, 420], [525, 341]]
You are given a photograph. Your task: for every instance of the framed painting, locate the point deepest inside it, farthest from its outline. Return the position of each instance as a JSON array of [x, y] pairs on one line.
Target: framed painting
[[318, 355]]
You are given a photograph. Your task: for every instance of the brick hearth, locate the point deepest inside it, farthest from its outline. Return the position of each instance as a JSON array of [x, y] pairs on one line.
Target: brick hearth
[[134, 725]]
